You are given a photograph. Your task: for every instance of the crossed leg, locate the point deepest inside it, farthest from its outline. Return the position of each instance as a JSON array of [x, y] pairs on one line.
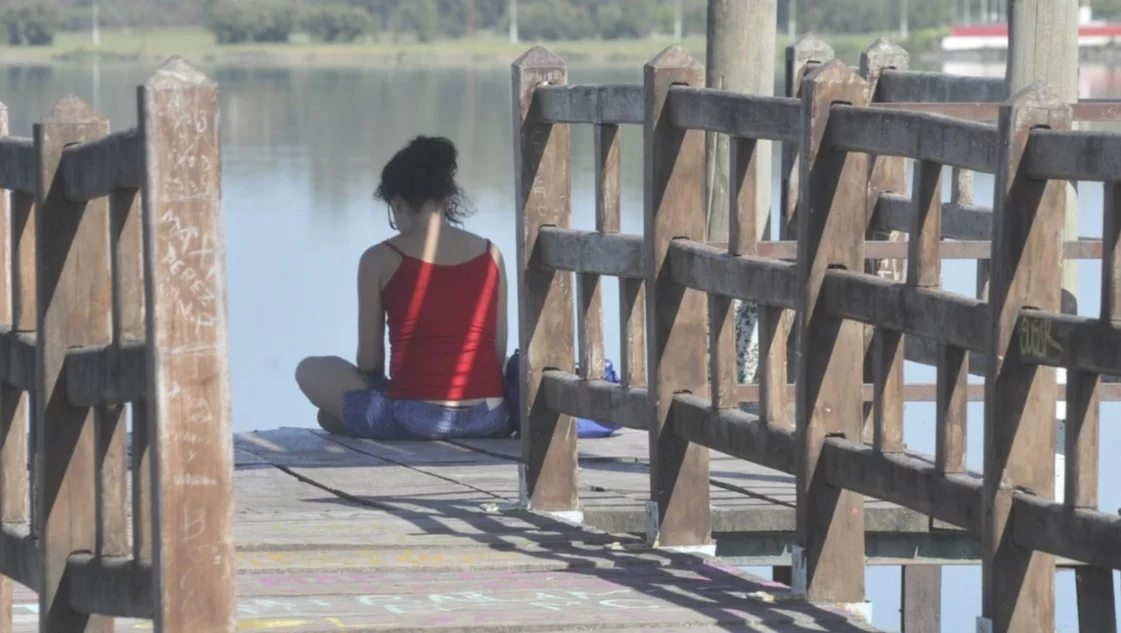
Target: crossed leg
[[324, 380]]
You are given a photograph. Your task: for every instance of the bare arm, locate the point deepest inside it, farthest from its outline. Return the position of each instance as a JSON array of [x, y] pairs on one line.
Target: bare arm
[[500, 333], [371, 316]]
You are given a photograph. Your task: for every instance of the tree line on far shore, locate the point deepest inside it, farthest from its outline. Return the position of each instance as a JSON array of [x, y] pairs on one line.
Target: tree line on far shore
[[34, 22]]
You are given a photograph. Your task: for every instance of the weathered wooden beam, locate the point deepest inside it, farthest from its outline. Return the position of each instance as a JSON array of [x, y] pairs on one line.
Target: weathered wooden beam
[[735, 114], [909, 480], [733, 432], [1074, 155], [931, 313], [1066, 340], [591, 252], [919, 135], [1080, 534], [20, 558], [608, 103], [949, 249], [675, 319], [765, 281], [17, 163], [598, 400], [922, 86], [74, 287], [959, 222], [17, 353], [97, 168], [189, 415], [1018, 586], [546, 325], [1083, 110], [118, 586], [801, 57], [106, 374], [926, 392], [831, 228]]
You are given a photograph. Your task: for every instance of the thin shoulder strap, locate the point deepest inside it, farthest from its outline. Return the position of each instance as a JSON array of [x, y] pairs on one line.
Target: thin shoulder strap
[[487, 252], [395, 249]]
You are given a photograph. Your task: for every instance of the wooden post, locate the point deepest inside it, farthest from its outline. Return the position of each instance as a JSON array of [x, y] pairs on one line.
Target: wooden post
[[1094, 585], [921, 599], [13, 409], [740, 57], [189, 418], [74, 308], [546, 329], [883, 363], [1018, 585], [675, 322], [801, 57], [589, 327], [829, 560]]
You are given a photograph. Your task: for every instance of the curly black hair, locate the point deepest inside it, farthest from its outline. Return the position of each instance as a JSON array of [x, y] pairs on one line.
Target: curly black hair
[[424, 171]]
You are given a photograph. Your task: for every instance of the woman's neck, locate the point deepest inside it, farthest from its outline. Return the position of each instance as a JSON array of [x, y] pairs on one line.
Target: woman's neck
[[428, 229]]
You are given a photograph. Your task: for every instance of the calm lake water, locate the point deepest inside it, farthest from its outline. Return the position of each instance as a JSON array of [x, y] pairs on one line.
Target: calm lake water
[[302, 150]]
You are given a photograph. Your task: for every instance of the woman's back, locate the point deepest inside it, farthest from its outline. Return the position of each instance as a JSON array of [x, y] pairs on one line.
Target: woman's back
[[442, 307]]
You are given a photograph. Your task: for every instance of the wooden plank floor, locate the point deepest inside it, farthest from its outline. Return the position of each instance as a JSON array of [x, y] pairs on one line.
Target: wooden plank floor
[[342, 534]]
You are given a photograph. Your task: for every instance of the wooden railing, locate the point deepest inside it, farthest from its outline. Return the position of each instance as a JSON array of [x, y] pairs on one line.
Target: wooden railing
[[114, 292], [844, 159]]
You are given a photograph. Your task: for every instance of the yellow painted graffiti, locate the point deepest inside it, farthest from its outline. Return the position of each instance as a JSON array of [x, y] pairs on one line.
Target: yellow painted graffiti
[[268, 624], [1036, 340]]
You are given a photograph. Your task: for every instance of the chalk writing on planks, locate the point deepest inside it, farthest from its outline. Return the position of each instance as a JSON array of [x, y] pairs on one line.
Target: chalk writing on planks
[[621, 598]]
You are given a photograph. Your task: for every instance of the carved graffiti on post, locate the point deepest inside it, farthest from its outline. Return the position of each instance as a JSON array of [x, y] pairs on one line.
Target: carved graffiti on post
[[186, 330]]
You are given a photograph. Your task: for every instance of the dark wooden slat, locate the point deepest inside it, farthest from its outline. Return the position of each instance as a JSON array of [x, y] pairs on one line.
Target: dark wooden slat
[[97, 168], [675, 320], [959, 221], [610, 103], [1080, 534], [734, 432], [911, 481], [1074, 155], [20, 559], [120, 587], [17, 163], [766, 281], [599, 400], [542, 190], [923, 86], [590, 252], [1096, 610], [736, 114], [106, 374], [934, 314], [918, 135]]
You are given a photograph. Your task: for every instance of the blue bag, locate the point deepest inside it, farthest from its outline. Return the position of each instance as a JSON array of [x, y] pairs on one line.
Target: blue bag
[[585, 429]]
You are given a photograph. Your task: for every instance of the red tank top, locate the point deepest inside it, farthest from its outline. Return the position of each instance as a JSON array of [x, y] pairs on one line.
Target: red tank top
[[442, 323]]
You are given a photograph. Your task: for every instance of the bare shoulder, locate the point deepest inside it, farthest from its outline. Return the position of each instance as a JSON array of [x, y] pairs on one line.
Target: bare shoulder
[[378, 260]]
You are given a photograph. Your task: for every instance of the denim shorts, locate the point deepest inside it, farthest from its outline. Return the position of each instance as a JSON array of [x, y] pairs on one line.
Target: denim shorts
[[371, 414]]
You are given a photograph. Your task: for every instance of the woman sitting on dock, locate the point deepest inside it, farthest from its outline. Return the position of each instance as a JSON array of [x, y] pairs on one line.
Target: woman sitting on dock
[[442, 291]]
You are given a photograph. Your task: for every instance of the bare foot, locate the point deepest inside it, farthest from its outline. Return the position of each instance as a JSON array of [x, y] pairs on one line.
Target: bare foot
[[330, 423]]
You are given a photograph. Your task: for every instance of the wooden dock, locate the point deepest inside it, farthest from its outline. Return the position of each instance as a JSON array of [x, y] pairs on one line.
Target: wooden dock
[[336, 533]]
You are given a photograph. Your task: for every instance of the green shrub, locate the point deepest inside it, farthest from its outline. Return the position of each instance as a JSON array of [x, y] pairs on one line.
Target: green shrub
[[30, 24], [238, 21], [337, 23]]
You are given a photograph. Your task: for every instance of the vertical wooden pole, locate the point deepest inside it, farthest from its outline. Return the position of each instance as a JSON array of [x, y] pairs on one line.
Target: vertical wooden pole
[[128, 327], [589, 327], [921, 599], [1018, 585], [74, 308], [801, 57], [1094, 585], [829, 561], [542, 197], [675, 321], [883, 364], [742, 239], [189, 419], [13, 412], [951, 399]]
